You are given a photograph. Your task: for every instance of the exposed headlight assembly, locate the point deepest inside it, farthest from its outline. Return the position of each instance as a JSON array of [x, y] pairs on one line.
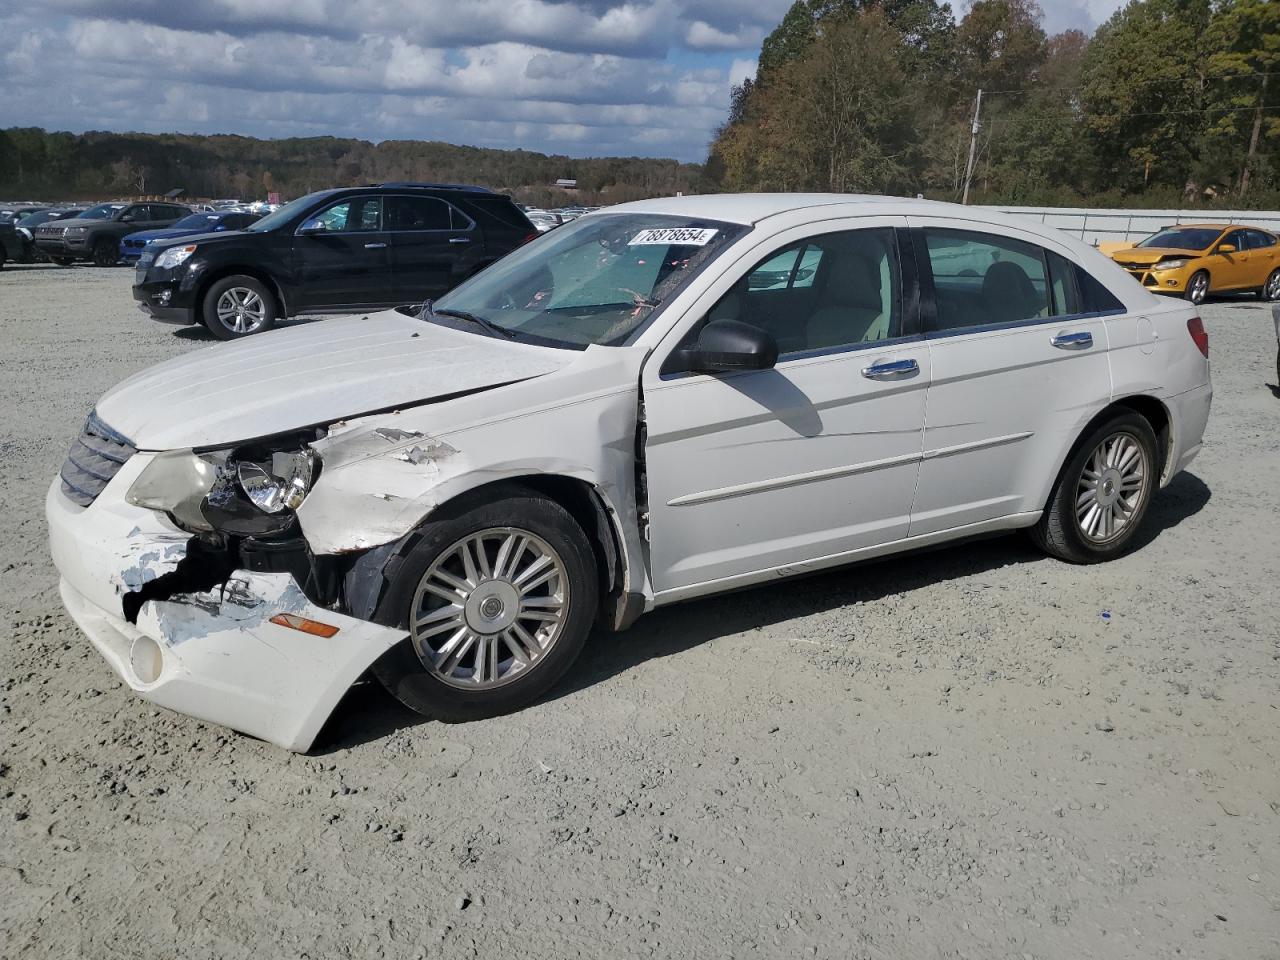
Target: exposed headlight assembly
[[76, 231], [1170, 265], [246, 491], [175, 256]]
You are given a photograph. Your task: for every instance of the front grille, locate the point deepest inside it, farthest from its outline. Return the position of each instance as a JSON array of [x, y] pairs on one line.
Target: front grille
[[95, 457]]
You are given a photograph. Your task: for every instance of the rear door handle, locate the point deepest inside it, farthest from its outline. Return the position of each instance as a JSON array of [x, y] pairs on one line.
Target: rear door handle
[[1073, 341], [459, 239], [891, 370], [375, 246]]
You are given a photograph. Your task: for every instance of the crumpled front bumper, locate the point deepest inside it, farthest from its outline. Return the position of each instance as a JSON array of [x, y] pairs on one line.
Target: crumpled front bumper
[[215, 655]]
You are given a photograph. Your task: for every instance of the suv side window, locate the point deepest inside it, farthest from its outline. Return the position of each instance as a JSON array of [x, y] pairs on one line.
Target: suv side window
[[832, 290], [358, 215], [137, 213], [418, 213], [981, 279]]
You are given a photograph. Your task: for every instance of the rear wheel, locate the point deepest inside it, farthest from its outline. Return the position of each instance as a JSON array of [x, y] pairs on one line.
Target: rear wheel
[[105, 253], [1103, 492], [498, 599], [1197, 287], [238, 306], [1271, 289]]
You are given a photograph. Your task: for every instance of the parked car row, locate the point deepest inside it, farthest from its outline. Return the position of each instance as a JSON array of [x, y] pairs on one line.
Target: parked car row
[[17, 226]]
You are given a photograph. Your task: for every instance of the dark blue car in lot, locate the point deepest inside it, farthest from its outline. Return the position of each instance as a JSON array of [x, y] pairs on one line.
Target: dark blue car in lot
[[131, 247]]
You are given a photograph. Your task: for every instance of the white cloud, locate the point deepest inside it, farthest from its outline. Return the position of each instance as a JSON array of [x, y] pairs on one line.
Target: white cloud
[[587, 76]]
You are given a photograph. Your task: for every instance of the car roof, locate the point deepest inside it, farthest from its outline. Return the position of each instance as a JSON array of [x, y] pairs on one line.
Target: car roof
[[751, 208]]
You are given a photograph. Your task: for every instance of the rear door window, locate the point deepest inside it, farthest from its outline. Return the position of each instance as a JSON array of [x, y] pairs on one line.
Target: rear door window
[[981, 279], [416, 214]]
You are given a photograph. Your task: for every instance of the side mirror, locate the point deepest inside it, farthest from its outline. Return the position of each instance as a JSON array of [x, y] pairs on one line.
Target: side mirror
[[1226, 248], [725, 346], [314, 225]]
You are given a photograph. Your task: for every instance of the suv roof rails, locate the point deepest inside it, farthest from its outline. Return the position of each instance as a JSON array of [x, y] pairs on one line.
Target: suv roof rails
[[469, 187]]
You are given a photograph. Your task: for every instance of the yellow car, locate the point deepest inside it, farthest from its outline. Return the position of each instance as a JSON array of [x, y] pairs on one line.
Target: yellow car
[[1197, 259]]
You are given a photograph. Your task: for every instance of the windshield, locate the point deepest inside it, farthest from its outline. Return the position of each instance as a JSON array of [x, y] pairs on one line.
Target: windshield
[[198, 221], [285, 213], [103, 211], [597, 280], [35, 219], [1183, 238]]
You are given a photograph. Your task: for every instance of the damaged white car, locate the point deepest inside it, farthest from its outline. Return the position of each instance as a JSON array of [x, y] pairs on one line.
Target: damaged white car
[[660, 401]]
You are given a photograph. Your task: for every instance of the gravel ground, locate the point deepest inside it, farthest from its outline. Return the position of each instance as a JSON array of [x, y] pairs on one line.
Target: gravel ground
[[974, 752]]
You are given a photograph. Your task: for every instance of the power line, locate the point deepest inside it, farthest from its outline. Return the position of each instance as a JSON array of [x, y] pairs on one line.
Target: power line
[[1137, 83]]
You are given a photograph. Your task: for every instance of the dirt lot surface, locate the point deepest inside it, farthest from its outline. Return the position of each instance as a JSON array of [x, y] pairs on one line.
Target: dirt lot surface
[[975, 752]]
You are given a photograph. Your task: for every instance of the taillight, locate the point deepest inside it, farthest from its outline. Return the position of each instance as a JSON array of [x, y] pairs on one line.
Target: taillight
[[1196, 329], [531, 236]]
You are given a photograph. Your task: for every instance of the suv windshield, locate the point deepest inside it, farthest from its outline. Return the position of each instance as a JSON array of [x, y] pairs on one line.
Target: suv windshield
[[597, 280], [285, 213], [103, 211], [1182, 238]]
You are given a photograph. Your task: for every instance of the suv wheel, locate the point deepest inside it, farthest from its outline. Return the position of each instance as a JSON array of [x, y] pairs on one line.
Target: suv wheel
[[498, 599], [238, 306], [1103, 492], [105, 253]]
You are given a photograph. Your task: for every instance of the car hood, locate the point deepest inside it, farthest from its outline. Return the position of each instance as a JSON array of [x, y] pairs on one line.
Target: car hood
[[165, 234], [1148, 255], [313, 374]]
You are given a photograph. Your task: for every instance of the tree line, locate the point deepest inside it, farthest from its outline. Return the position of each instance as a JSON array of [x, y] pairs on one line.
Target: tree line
[[1168, 103], [40, 164]]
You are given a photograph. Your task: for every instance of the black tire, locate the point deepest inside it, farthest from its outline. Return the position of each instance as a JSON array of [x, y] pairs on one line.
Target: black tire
[[504, 509], [2, 258], [63, 261], [106, 253], [1060, 531], [1271, 288], [239, 286], [1194, 291]]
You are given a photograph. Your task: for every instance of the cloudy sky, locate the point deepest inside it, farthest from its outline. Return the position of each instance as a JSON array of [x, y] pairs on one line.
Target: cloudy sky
[[586, 78]]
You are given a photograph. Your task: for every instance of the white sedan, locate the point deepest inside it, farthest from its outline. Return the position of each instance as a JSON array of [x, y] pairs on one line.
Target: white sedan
[[659, 401]]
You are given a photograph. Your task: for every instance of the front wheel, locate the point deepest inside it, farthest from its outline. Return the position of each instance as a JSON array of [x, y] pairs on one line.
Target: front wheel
[[1197, 287], [498, 599], [1102, 494], [1271, 289], [105, 253], [238, 306]]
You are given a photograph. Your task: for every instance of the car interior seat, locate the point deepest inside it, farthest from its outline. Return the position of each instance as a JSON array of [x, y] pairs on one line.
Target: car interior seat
[[852, 309], [1009, 294]]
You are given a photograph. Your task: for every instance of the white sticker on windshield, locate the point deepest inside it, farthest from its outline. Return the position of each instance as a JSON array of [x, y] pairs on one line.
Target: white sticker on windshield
[[683, 236]]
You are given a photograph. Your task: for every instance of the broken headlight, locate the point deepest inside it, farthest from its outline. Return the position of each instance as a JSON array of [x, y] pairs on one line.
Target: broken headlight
[[176, 483], [249, 490]]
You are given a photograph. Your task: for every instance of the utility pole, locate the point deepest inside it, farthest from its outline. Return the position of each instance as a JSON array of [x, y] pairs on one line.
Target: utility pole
[[973, 146]]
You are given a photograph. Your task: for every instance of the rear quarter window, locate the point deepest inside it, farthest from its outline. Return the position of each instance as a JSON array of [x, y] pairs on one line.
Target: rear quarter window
[[1094, 297], [496, 211]]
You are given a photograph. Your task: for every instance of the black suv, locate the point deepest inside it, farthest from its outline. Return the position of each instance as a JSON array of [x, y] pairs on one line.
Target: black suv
[[336, 251], [95, 234]]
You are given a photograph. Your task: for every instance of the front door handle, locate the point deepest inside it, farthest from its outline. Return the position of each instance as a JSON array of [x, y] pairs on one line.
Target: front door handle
[[891, 370], [375, 246], [459, 239], [1073, 341]]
